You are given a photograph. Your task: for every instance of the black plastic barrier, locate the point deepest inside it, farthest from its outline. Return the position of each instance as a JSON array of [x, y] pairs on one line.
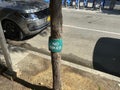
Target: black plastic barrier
[[106, 56]]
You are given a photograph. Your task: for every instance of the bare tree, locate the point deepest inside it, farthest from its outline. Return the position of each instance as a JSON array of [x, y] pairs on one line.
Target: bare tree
[[55, 41]]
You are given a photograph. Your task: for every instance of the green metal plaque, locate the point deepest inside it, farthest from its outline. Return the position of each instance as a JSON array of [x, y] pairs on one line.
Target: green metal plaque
[[55, 45]]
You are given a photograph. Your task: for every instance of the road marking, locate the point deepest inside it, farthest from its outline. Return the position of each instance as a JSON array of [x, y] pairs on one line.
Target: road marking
[[94, 30]]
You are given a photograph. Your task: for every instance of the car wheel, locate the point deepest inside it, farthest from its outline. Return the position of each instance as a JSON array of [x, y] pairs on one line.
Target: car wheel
[[11, 30]]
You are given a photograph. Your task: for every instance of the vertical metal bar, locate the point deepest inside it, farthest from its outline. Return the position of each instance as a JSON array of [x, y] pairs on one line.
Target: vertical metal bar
[[78, 4], [5, 49]]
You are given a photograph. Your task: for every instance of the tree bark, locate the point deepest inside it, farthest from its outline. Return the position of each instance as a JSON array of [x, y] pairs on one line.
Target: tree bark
[[56, 29], [56, 71], [56, 18]]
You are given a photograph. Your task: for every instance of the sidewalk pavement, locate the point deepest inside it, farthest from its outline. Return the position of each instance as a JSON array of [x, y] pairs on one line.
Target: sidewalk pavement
[[36, 74]]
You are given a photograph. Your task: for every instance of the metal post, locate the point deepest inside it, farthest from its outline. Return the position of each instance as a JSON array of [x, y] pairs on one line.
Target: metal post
[[5, 49], [78, 4]]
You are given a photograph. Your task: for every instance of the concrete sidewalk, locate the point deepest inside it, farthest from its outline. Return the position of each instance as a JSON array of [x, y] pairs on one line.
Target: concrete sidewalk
[[36, 74]]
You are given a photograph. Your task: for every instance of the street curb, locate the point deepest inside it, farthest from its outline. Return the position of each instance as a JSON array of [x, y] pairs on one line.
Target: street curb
[[82, 68], [68, 57], [45, 54]]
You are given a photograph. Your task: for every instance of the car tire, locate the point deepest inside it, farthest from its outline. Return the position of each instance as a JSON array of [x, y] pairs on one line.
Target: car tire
[[12, 30]]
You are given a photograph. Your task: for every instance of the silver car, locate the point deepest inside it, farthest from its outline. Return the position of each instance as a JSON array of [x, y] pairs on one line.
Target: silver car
[[23, 19]]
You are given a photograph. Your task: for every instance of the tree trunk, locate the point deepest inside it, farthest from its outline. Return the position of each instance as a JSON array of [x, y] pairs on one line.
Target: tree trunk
[[56, 29]]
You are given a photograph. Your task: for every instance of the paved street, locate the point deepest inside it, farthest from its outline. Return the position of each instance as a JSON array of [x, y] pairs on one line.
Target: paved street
[[84, 29], [81, 31]]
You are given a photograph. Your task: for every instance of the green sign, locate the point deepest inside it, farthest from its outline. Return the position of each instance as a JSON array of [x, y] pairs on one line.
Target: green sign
[[55, 45]]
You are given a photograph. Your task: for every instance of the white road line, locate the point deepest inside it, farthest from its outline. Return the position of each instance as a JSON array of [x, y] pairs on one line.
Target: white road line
[[94, 30]]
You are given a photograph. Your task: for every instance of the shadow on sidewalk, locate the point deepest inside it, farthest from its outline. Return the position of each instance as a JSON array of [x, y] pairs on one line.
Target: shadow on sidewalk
[[21, 81], [106, 56], [29, 85], [13, 49]]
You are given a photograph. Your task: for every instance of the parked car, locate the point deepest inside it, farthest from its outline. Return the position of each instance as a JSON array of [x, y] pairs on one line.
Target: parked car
[[23, 19]]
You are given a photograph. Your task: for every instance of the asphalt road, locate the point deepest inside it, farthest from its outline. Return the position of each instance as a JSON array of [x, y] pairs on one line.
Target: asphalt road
[[81, 30]]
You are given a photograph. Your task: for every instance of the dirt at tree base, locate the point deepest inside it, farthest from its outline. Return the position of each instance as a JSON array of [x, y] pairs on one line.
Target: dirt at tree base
[[36, 74]]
